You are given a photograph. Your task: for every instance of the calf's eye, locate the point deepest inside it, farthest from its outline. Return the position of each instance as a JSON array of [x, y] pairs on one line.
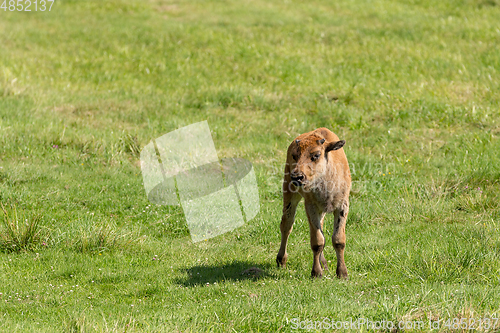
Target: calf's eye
[[315, 157]]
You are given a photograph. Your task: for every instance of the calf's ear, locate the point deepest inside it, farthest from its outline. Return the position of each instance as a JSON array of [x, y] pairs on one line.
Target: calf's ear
[[334, 145]]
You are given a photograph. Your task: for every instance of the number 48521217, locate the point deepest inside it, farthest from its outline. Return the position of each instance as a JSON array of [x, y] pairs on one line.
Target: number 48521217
[[26, 5]]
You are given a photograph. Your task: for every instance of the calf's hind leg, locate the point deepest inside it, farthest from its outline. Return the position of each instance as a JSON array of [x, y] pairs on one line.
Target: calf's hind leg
[[315, 217], [339, 239]]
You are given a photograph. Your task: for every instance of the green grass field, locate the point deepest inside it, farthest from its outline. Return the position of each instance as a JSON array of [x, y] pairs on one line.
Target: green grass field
[[412, 86]]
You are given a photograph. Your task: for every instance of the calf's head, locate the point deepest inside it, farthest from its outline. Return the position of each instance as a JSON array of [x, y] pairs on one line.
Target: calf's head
[[309, 158]]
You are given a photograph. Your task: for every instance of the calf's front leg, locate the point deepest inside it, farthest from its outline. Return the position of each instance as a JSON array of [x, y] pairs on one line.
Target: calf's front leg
[[315, 217], [290, 202]]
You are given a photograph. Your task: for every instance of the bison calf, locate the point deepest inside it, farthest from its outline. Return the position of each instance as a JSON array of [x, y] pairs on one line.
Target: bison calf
[[317, 170]]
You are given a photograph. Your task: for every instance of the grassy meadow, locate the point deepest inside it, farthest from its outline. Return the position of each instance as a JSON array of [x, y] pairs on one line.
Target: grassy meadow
[[412, 86]]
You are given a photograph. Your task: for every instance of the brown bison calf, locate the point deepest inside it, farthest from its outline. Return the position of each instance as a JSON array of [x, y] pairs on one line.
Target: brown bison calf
[[317, 170]]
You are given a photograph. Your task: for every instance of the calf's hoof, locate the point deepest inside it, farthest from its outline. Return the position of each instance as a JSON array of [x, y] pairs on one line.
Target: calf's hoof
[[342, 273], [281, 261], [318, 273]]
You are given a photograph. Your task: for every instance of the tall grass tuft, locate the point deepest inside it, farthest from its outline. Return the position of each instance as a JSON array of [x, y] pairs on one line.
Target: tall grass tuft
[[129, 144], [75, 324], [18, 232], [102, 237]]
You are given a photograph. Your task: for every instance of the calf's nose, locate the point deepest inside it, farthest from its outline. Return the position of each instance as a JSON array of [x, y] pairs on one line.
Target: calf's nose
[[297, 177]]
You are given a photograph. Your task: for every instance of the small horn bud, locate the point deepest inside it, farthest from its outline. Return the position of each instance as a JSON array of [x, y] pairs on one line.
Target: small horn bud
[[321, 141]]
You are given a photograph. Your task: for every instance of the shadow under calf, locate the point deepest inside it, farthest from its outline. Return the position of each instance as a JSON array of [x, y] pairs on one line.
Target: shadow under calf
[[235, 271]]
